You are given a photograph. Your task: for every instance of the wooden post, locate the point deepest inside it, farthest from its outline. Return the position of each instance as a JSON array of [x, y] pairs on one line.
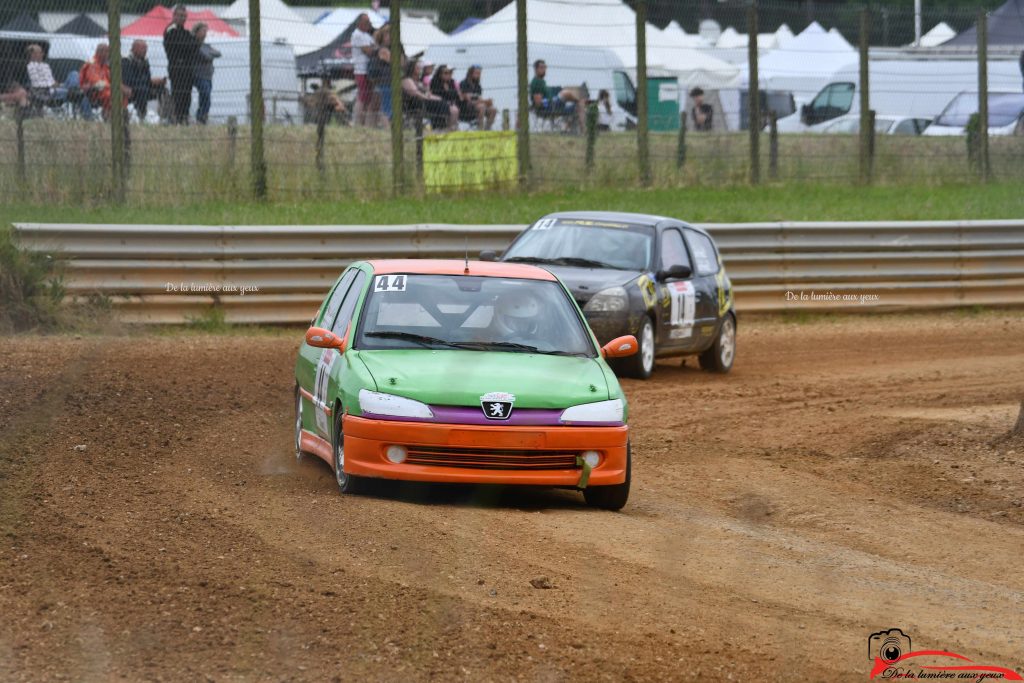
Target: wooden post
[[418, 127], [505, 119], [19, 124], [681, 143], [642, 139], [865, 99], [117, 113], [323, 114], [258, 160], [871, 145], [983, 158], [523, 115], [397, 118], [773, 147], [753, 95], [591, 137], [232, 140]]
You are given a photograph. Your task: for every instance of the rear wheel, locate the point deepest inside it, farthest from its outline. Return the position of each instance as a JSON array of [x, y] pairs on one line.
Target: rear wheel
[[612, 497], [720, 356], [347, 483], [641, 364]]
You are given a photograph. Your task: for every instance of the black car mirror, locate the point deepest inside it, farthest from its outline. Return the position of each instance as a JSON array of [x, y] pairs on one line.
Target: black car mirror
[[676, 272], [488, 255]]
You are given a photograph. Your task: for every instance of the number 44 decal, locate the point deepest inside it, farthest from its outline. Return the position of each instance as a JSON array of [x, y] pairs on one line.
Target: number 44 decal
[[389, 283]]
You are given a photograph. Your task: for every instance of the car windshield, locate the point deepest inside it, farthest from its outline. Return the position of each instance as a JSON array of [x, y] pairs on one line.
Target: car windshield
[[472, 313], [1003, 109], [587, 243]]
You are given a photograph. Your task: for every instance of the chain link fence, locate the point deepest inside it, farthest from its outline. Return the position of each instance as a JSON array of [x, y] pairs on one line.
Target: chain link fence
[[150, 104]]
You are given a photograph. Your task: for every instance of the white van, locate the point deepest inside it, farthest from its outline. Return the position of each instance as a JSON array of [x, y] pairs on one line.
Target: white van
[[598, 68], [912, 88]]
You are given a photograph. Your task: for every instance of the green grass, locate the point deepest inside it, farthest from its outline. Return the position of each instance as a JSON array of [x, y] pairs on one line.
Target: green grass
[[794, 202]]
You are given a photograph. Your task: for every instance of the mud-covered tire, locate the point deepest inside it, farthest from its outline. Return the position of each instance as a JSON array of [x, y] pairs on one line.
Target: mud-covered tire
[[347, 483], [721, 355], [641, 364], [612, 497]]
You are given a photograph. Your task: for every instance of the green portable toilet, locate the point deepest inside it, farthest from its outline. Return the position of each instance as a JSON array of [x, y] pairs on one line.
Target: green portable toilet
[[663, 103]]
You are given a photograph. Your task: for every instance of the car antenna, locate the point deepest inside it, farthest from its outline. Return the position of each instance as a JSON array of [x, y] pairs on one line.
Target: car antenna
[[466, 272]]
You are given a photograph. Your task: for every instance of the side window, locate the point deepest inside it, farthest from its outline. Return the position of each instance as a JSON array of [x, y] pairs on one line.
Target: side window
[[841, 97], [673, 251], [334, 303], [348, 306], [906, 127], [704, 253]]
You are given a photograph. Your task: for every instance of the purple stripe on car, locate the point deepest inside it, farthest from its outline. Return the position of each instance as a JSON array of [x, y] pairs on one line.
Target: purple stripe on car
[[467, 415]]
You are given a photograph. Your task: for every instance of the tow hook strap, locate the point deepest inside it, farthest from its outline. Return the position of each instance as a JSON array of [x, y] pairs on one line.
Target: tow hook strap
[[585, 475]]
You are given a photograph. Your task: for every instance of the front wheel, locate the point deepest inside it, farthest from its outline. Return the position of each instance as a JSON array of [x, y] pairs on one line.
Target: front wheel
[[641, 364], [612, 497], [347, 483], [720, 356]]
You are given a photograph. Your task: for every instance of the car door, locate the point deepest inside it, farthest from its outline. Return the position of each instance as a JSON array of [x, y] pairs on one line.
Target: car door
[[706, 284], [677, 295]]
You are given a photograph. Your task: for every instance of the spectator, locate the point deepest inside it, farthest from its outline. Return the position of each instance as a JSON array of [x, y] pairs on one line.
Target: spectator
[[562, 102], [15, 95], [363, 49], [379, 72], [42, 84], [94, 80], [428, 74], [137, 75], [443, 86], [417, 101], [204, 71], [182, 50], [703, 114], [480, 110], [604, 110]]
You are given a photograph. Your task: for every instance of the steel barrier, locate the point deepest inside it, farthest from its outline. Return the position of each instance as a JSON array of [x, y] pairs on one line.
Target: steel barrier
[[279, 274]]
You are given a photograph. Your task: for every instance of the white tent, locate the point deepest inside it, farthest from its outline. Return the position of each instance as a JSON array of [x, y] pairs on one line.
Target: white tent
[[675, 35], [419, 33], [279, 24], [731, 39], [784, 34], [939, 34], [607, 24], [803, 64], [337, 20]]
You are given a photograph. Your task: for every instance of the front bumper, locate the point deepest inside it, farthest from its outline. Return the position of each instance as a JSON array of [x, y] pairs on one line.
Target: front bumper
[[483, 454]]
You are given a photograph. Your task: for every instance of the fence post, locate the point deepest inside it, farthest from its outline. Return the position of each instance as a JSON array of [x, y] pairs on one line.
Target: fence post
[[753, 95], [773, 146], [117, 121], [323, 113], [591, 137], [871, 145], [232, 140], [983, 159], [865, 99], [258, 160], [397, 118], [126, 169], [642, 139], [523, 115], [681, 144], [505, 119], [19, 123], [418, 127]]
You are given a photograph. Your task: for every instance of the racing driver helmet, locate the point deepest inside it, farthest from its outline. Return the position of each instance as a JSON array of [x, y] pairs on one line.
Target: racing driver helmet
[[518, 313]]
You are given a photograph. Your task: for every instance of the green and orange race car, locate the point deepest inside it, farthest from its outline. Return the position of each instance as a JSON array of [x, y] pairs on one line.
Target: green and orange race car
[[461, 372]]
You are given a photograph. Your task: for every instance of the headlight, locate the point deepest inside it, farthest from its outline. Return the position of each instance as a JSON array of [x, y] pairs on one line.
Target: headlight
[[611, 299], [388, 404], [602, 411]]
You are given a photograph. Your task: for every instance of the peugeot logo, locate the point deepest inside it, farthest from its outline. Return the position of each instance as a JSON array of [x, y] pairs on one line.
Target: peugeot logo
[[497, 405]]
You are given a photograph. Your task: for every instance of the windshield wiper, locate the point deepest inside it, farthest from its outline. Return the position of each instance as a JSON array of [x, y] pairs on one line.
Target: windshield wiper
[[411, 336], [530, 259], [583, 262], [526, 348]]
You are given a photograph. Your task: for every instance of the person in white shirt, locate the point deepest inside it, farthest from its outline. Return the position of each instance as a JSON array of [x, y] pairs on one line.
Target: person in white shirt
[[363, 47], [41, 81]]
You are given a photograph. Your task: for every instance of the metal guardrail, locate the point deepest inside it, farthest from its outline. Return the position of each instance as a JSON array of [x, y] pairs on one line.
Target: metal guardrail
[[148, 270]]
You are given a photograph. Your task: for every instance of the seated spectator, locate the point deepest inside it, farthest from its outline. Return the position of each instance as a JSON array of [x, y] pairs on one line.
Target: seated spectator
[[418, 102], [553, 101], [474, 106], [15, 95], [703, 114], [428, 74], [137, 76], [94, 80], [443, 85], [604, 111], [42, 84]]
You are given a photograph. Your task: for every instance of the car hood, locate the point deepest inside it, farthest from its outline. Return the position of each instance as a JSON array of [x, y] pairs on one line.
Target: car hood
[[586, 282], [460, 378]]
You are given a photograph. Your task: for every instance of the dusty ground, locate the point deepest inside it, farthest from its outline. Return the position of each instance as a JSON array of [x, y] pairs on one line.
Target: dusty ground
[[845, 479]]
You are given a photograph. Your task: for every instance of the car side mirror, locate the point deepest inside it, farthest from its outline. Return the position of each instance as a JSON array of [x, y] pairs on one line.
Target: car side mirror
[[620, 347], [676, 272], [488, 255], [325, 339]]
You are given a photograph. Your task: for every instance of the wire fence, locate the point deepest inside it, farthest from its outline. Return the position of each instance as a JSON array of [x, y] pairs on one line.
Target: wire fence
[[149, 104]]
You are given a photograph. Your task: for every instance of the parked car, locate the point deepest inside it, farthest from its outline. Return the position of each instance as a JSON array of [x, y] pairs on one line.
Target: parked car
[[1005, 114], [451, 371], [885, 124], [657, 278]]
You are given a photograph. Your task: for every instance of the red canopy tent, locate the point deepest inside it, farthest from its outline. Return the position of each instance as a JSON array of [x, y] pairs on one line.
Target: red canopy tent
[[153, 23]]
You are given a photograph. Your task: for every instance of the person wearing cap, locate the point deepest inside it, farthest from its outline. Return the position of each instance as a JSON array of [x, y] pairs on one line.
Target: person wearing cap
[[473, 105], [702, 113]]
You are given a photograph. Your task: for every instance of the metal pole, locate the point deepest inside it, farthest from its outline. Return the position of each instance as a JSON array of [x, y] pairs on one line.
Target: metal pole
[[642, 139], [591, 122], [917, 23], [865, 99], [19, 124], [397, 119], [681, 142], [773, 147], [258, 160], [523, 116], [986, 170], [117, 121], [753, 96]]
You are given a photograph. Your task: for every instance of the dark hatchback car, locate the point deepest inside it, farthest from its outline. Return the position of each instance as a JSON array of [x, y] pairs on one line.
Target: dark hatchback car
[[657, 278]]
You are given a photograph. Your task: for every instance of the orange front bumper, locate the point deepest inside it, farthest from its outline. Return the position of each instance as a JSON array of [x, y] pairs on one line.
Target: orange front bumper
[[483, 454]]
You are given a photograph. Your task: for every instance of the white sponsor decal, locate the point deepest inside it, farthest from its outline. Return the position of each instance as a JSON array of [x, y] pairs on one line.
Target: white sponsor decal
[[683, 309], [323, 376]]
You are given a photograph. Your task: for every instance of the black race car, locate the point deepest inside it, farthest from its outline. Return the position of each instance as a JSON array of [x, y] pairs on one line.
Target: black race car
[[654, 277]]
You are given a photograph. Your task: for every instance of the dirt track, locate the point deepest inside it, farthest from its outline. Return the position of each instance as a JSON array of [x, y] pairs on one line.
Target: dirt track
[[843, 480]]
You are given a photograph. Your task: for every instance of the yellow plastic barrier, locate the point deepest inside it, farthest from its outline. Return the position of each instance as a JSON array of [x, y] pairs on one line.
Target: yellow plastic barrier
[[469, 160]]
